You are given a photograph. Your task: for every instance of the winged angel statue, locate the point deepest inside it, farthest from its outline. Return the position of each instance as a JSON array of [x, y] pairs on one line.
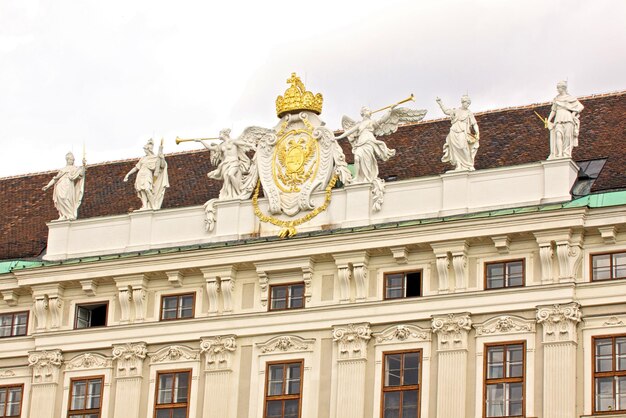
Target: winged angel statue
[[366, 148], [234, 167]]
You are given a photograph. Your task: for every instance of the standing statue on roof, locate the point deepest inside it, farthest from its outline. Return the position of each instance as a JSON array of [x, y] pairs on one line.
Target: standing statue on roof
[[151, 180], [69, 187], [563, 123], [461, 143], [367, 148]]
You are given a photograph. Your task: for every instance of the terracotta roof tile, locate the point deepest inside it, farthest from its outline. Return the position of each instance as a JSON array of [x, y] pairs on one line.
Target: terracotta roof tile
[[508, 137]]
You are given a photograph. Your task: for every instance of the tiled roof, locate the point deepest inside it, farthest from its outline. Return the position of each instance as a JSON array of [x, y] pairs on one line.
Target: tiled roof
[[508, 137]]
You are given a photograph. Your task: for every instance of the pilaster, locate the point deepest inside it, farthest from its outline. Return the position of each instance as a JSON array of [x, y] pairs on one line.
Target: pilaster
[[218, 353], [351, 341], [129, 360], [559, 324], [46, 367], [452, 335]]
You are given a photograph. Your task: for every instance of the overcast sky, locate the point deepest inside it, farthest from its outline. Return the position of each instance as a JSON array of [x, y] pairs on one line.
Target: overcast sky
[[112, 74]]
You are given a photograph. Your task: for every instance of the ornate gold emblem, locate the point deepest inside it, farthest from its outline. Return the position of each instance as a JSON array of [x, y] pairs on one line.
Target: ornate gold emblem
[[295, 161], [297, 99]]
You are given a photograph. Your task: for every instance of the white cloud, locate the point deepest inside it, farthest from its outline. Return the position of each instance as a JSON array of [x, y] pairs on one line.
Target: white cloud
[[114, 73]]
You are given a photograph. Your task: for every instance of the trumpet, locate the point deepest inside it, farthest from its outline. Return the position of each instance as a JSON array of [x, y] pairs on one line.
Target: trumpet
[[179, 140], [411, 98]]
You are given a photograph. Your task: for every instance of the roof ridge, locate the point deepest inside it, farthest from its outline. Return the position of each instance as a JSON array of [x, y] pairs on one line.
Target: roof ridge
[[101, 163], [520, 107]]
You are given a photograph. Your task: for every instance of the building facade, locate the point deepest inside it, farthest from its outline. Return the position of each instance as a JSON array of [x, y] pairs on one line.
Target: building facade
[[492, 293]]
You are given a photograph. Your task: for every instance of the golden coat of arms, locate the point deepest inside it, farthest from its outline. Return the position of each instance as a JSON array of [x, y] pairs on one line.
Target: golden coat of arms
[[301, 158]]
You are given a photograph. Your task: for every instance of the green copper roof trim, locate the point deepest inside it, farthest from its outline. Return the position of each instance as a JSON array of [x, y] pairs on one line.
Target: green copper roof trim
[[599, 200], [8, 266]]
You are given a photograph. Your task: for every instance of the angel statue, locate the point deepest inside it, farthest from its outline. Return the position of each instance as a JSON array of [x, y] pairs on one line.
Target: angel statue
[[151, 180], [69, 187], [234, 167], [461, 144], [366, 148], [229, 155]]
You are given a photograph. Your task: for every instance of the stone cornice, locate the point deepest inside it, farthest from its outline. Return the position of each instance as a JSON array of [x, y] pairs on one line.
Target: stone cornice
[[258, 251]]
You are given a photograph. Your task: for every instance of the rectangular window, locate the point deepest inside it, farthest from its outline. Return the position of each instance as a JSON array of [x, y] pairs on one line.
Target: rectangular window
[[177, 306], [504, 274], [13, 324], [91, 315], [403, 285], [172, 394], [608, 266], [609, 374], [283, 390], [85, 397], [401, 385], [11, 400], [504, 380], [287, 296]]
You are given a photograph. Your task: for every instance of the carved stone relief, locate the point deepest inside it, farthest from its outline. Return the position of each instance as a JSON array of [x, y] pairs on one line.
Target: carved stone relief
[[286, 343], [401, 333], [174, 353], [505, 325], [89, 361]]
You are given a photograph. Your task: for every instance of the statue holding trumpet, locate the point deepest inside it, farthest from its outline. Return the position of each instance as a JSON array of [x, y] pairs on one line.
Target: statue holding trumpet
[[367, 149], [229, 155]]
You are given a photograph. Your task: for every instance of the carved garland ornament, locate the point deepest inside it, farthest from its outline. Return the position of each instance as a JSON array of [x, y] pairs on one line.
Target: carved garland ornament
[[45, 364], [129, 358], [559, 321]]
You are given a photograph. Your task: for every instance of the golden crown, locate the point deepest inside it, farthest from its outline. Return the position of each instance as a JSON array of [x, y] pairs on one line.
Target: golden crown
[[297, 99]]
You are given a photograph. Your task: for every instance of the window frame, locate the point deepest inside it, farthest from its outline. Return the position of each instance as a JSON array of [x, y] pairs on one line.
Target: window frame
[[402, 388], [11, 386], [404, 279], [178, 297], [282, 397], [609, 253], [612, 373], [81, 305], [13, 314], [74, 412], [521, 380], [288, 286], [505, 262], [172, 405]]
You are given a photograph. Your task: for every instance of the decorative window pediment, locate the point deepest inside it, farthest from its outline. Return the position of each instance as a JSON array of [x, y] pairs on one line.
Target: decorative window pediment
[[89, 361], [505, 324], [402, 333], [173, 354], [286, 343]]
